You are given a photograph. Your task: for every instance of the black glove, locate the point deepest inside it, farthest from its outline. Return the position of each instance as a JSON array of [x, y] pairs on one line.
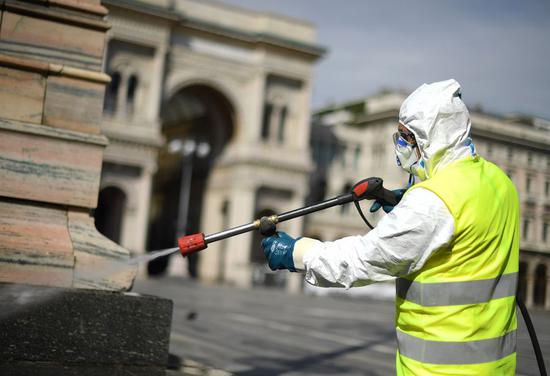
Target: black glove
[[387, 208]]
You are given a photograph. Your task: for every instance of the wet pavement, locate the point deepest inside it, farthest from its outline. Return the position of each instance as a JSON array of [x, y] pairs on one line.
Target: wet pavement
[[221, 330]]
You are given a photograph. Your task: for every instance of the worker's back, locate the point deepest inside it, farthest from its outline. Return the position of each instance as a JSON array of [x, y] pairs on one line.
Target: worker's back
[[460, 307]]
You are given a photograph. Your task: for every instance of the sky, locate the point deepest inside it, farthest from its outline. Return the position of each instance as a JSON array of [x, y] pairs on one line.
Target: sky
[[499, 51]]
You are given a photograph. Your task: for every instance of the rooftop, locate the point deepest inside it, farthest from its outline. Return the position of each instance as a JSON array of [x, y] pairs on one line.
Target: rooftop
[[388, 102]]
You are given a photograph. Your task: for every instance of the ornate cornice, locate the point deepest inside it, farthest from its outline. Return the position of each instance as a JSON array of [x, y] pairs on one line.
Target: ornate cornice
[[38, 10], [53, 69], [311, 50]]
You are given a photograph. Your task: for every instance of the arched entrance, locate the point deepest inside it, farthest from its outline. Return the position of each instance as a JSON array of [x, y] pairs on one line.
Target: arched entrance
[[539, 296], [522, 281], [197, 122], [110, 212]]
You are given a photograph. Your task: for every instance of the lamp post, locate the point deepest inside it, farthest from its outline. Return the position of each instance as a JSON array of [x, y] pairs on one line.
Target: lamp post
[[189, 149]]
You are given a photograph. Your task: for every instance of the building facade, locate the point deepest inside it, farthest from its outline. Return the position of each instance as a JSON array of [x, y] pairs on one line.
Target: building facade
[[520, 145], [207, 115]]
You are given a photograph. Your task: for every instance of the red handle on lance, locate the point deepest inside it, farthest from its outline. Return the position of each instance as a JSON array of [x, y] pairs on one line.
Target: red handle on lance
[[191, 243]]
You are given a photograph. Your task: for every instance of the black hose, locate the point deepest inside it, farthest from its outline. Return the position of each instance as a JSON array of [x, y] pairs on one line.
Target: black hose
[[362, 215], [533, 335]]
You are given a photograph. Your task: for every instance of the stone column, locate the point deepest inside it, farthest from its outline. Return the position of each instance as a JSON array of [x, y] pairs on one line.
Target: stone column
[[144, 194], [295, 281], [153, 104], [212, 260], [51, 90], [238, 270], [547, 298], [303, 122]]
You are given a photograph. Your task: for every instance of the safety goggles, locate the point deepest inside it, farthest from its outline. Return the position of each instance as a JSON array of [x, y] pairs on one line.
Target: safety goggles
[[405, 135]]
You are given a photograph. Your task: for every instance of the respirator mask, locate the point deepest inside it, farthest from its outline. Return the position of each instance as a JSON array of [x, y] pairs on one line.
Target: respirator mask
[[408, 155]]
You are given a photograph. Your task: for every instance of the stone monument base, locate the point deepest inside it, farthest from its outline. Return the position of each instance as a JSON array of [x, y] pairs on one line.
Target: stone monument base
[[60, 331]]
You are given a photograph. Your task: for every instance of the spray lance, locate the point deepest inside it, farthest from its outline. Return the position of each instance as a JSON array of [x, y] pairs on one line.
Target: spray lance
[[370, 189]]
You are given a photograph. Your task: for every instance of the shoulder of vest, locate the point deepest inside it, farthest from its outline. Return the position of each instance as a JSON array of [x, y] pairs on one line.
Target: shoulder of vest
[[441, 184], [448, 172]]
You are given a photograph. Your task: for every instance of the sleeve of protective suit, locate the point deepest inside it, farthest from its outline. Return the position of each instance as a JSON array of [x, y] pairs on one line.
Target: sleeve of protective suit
[[399, 245]]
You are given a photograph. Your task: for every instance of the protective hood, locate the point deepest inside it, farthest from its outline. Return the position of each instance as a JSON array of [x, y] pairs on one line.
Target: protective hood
[[440, 122]]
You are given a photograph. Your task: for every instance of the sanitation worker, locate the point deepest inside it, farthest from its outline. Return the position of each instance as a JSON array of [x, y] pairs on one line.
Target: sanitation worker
[[451, 244]]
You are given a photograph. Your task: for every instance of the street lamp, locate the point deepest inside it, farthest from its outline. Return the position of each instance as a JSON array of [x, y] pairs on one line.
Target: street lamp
[[189, 149]]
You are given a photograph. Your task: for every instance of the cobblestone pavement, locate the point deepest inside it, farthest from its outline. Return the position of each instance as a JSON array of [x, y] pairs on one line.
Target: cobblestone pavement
[[220, 330]]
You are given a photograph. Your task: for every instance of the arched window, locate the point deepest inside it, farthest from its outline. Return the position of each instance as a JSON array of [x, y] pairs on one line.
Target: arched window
[[110, 212], [111, 94], [131, 93]]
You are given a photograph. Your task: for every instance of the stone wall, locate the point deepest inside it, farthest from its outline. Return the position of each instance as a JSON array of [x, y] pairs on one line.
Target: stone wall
[[51, 149]]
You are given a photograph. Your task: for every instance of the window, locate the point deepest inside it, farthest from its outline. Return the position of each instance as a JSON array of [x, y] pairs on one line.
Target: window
[[282, 122], [356, 156], [131, 93], [528, 184], [510, 153], [525, 231], [529, 158], [343, 151], [489, 149], [268, 109], [111, 94], [546, 188], [545, 232]]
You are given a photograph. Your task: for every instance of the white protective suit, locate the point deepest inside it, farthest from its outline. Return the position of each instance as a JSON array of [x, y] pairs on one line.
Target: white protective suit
[[420, 224]]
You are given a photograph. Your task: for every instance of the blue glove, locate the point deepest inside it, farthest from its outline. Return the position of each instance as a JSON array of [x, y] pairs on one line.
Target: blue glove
[[387, 208], [278, 250]]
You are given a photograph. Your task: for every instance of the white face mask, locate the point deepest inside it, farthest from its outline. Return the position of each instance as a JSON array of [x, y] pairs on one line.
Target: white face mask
[[408, 160]]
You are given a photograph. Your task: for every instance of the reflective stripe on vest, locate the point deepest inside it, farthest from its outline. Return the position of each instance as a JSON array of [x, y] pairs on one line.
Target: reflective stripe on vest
[[469, 352], [457, 293]]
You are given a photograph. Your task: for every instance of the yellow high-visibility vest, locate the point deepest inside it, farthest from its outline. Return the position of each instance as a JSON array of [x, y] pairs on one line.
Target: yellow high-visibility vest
[[457, 315]]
